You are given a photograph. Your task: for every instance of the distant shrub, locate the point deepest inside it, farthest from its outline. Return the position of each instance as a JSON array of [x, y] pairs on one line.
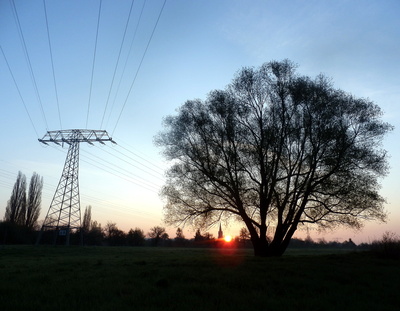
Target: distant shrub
[[388, 247], [12, 233]]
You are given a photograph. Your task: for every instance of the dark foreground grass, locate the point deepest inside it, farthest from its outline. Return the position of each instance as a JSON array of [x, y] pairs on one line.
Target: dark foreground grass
[[60, 278]]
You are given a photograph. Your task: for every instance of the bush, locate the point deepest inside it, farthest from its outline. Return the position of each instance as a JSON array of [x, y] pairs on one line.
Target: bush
[[11, 233], [388, 247]]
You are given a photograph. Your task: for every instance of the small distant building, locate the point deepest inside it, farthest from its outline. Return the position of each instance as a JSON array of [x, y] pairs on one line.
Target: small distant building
[[220, 232]]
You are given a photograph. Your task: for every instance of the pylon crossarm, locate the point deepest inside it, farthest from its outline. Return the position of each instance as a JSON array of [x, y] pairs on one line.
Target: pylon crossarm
[[77, 135]]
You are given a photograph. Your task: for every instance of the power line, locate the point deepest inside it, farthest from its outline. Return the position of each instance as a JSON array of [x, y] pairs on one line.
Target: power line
[[21, 35], [146, 160], [94, 60], [119, 158], [123, 172], [48, 193], [143, 183], [118, 171], [126, 61], [116, 65], [19, 92], [143, 155], [52, 63], [104, 207], [140, 65], [159, 172]]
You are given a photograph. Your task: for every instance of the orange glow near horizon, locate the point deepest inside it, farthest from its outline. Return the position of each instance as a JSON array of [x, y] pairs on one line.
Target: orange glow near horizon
[[228, 238]]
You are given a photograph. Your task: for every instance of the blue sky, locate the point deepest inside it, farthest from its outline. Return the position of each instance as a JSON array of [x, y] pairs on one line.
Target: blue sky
[[196, 47]]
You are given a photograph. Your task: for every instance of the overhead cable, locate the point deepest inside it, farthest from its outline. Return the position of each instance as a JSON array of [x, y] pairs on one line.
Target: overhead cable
[[159, 172], [160, 169], [117, 171], [116, 65], [94, 60], [143, 156], [19, 92], [52, 63], [140, 65], [21, 35], [123, 172], [126, 62], [159, 175]]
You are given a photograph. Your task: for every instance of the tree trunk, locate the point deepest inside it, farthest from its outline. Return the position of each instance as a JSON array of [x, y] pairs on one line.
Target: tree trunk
[[264, 249], [260, 247], [275, 250]]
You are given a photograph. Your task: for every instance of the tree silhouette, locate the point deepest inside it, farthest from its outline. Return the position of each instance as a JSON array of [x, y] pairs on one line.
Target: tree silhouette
[[157, 233], [244, 235], [95, 236], [34, 201], [275, 149], [16, 205], [136, 237], [87, 219], [179, 234], [198, 237], [21, 209], [114, 235], [179, 238]]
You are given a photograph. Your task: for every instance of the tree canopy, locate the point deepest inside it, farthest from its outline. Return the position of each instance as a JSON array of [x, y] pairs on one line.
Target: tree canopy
[[275, 150]]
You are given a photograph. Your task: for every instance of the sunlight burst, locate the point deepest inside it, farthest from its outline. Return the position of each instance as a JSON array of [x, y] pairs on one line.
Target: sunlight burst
[[228, 238]]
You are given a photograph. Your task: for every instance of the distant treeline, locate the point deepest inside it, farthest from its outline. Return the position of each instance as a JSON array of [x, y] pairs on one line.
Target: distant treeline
[[110, 235]]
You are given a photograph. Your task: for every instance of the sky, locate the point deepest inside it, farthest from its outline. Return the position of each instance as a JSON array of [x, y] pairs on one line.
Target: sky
[[63, 67]]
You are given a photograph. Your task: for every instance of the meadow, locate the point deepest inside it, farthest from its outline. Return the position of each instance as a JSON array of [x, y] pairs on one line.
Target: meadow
[[145, 278]]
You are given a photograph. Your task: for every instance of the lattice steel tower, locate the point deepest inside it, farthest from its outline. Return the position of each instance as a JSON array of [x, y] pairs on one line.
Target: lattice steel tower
[[64, 213]]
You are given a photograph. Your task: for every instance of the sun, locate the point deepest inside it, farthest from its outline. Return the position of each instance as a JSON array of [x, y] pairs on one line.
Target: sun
[[228, 238]]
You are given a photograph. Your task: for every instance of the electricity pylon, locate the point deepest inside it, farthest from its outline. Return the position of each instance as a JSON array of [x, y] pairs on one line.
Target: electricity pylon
[[64, 213]]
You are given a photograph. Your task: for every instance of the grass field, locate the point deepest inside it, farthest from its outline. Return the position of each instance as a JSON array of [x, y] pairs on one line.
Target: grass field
[[107, 278]]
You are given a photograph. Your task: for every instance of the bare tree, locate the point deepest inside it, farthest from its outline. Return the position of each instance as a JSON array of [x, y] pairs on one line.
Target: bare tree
[[114, 235], [244, 235], [157, 233], [275, 149], [110, 229], [16, 205], [34, 201]]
